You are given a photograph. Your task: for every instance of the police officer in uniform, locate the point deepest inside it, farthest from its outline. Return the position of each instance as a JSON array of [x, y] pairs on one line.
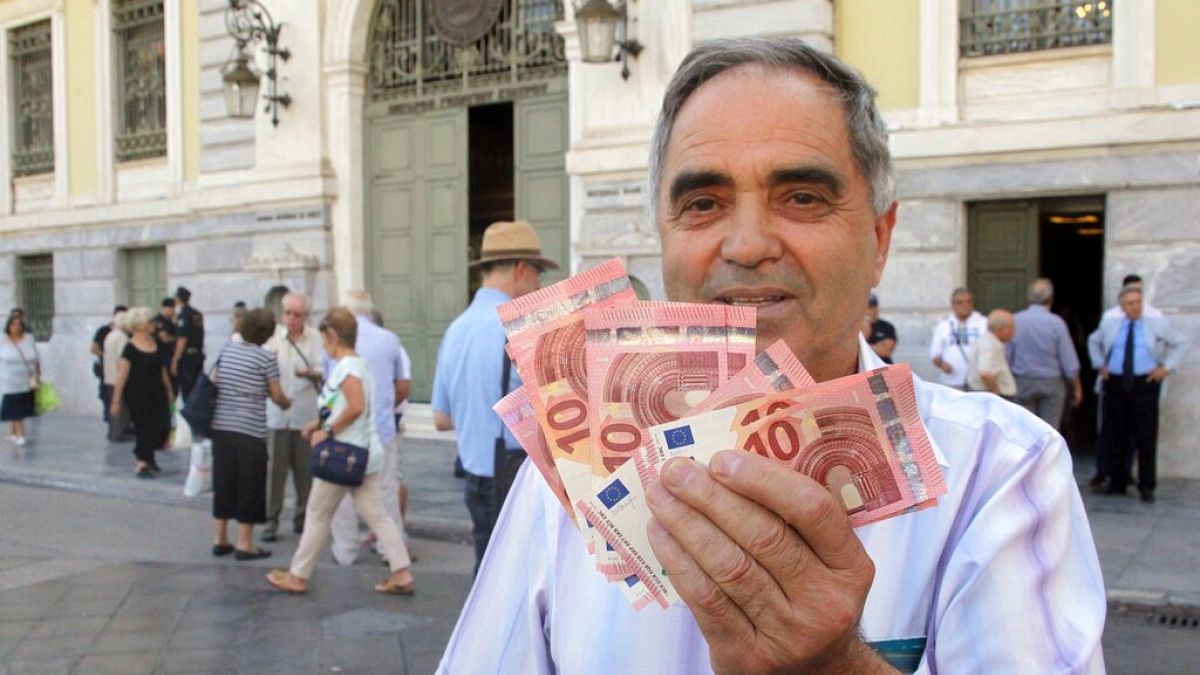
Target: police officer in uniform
[[164, 335], [188, 361]]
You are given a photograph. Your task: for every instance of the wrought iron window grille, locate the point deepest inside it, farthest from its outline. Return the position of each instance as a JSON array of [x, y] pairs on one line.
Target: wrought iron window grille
[[29, 50], [988, 27], [141, 79], [36, 287], [409, 58]]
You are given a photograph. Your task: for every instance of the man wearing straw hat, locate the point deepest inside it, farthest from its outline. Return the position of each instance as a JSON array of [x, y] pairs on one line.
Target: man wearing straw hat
[[472, 364]]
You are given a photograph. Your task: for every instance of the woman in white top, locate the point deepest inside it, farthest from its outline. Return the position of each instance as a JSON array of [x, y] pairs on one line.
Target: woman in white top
[[20, 372], [347, 397]]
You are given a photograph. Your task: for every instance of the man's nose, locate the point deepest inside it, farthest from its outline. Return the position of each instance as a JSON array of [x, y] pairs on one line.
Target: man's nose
[[752, 238]]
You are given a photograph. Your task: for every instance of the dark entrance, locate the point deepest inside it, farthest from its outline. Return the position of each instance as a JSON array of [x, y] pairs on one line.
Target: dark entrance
[[490, 182], [1010, 243]]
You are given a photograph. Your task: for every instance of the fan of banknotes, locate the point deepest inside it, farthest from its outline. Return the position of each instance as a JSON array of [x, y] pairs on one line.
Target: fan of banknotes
[[614, 387]]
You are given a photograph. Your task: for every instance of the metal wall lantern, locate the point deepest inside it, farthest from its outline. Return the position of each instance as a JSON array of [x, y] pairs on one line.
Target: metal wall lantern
[[598, 21], [248, 21]]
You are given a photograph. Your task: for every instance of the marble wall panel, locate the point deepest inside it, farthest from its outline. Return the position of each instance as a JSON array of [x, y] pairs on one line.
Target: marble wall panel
[[1163, 215], [928, 225]]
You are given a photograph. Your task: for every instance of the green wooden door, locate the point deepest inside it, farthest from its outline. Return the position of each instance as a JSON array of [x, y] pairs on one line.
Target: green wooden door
[[540, 176], [416, 248], [146, 277], [1002, 253]]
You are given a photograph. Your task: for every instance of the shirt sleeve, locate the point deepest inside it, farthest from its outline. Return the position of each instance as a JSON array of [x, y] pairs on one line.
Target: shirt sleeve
[[1041, 598], [127, 352], [1068, 358], [502, 626], [405, 365], [936, 343], [270, 367], [441, 394]]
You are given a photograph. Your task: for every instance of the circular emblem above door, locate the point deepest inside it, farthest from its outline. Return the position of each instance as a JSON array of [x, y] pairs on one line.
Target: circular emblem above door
[[463, 21]]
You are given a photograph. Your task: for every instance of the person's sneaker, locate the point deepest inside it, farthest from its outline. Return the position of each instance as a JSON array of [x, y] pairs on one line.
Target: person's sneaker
[[268, 535], [1148, 496], [19, 441]]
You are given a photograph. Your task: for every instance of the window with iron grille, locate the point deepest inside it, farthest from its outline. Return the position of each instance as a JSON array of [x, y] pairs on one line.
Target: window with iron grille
[[35, 285], [32, 100], [990, 27], [141, 76]]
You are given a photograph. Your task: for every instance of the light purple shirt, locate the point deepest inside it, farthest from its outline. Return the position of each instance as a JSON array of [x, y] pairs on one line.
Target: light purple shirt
[[1002, 576], [1042, 346]]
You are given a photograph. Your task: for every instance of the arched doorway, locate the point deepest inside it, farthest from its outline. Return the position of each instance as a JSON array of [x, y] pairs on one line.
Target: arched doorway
[[466, 124]]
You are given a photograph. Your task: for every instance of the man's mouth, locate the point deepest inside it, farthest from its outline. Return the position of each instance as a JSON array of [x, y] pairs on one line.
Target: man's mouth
[[751, 300]]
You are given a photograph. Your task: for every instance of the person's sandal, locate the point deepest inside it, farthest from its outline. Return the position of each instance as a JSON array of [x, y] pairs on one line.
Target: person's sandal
[[390, 587], [287, 582], [219, 550]]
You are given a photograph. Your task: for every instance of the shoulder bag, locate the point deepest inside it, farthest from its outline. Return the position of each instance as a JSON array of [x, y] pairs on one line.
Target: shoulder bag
[[339, 462], [201, 403]]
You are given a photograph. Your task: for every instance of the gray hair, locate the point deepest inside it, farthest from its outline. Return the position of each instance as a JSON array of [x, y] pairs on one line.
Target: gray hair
[[961, 290], [358, 301], [1041, 291], [1126, 290], [868, 133], [137, 318], [297, 295], [998, 319]]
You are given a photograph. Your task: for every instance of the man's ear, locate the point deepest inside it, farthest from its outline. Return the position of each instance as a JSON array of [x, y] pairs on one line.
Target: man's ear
[[884, 225]]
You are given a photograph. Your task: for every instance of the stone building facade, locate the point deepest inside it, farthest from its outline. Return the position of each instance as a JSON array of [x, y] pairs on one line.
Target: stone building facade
[[1020, 152]]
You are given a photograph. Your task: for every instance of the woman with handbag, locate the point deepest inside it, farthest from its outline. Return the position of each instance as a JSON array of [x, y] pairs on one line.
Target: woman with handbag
[[245, 375], [20, 374], [346, 429], [144, 388]]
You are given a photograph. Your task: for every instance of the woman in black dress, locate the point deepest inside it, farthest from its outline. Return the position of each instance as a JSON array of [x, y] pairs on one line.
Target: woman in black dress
[[142, 385]]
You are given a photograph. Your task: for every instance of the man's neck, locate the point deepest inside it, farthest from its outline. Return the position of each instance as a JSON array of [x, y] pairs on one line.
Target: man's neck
[[962, 319], [296, 334]]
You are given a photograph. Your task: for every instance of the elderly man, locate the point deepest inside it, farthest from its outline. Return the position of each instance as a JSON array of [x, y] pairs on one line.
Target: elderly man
[[1148, 311], [1134, 354], [1044, 358], [473, 369], [784, 202], [297, 348], [987, 368], [953, 337], [385, 356]]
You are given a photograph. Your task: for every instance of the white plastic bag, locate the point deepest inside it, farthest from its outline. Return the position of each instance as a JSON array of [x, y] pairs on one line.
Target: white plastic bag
[[199, 478], [181, 433]]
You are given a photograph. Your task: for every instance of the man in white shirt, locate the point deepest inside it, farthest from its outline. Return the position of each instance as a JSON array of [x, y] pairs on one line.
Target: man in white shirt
[[988, 369], [953, 337], [297, 347], [771, 184]]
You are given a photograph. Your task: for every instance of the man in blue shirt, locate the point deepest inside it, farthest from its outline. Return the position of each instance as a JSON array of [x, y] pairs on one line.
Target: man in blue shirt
[[471, 364], [1044, 358], [1134, 354]]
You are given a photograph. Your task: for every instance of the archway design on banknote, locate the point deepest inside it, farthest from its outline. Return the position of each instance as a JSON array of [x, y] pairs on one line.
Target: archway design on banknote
[[561, 354], [662, 387], [848, 459]]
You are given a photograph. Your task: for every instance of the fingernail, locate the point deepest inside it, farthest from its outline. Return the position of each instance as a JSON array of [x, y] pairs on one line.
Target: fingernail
[[678, 472], [726, 463], [658, 494]]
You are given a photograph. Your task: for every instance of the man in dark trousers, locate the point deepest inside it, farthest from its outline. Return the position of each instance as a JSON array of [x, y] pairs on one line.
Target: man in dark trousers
[[1134, 354], [164, 335], [188, 360]]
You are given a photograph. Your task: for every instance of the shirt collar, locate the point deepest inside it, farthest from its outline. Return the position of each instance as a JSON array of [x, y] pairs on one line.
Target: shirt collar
[[869, 360], [491, 295]]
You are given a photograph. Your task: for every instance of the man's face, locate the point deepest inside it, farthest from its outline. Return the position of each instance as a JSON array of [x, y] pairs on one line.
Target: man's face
[[761, 204], [964, 304], [294, 315], [168, 311], [1006, 333], [1131, 304], [527, 277]]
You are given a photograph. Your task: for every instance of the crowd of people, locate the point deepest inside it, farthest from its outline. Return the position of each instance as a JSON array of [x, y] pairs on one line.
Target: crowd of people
[[281, 391], [1030, 358]]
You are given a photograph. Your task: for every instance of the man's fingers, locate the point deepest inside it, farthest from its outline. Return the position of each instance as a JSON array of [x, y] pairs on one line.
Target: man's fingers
[[686, 507], [717, 615], [802, 502]]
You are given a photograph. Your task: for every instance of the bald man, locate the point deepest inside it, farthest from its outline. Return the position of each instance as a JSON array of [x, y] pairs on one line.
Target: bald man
[[987, 369]]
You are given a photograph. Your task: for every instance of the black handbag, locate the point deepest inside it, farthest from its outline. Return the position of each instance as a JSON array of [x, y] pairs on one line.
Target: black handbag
[[200, 405], [506, 461], [339, 463]]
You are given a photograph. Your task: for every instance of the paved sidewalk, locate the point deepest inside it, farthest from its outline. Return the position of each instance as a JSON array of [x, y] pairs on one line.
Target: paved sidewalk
[[1150, 553]]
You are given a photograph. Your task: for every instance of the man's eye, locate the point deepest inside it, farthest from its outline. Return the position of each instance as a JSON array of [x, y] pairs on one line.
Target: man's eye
[[804, 199], [702, 204]]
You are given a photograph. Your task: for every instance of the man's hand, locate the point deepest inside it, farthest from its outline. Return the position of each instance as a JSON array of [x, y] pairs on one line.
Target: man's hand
[[940, 363], [1103, 373], [767, 562], [1158, 374], [175, 368], [1077, 395]]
